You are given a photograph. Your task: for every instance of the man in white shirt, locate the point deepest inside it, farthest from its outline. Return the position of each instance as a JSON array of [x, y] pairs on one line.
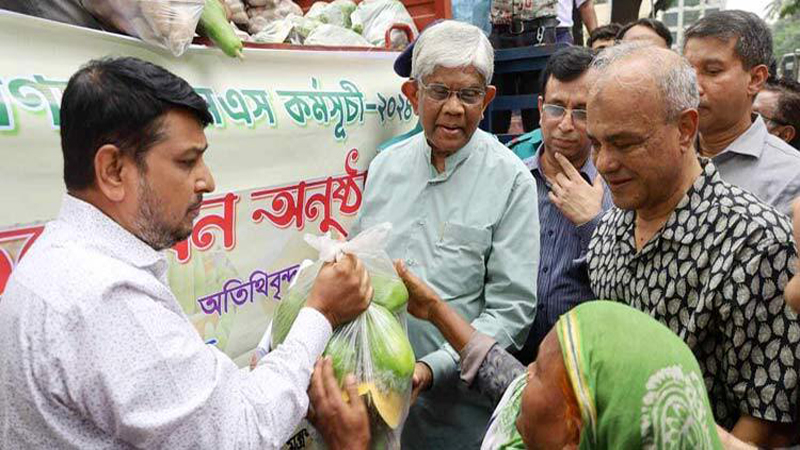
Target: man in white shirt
[[565, 22], [95, 350]]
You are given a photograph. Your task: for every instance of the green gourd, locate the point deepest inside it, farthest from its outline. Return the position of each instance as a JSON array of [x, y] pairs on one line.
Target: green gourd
[[214, 25]]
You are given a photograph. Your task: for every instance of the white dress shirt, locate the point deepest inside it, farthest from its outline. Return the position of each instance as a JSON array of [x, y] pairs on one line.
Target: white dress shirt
[[96, 353]]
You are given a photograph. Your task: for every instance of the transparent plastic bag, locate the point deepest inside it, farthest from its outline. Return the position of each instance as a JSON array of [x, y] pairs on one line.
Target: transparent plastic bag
[[336, 12], [169, 24], [372, 18], [374, 347], [333, 35]]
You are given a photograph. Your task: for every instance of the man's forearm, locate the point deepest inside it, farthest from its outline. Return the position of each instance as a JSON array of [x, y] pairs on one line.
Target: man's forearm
[[588, 15], [765, 434]]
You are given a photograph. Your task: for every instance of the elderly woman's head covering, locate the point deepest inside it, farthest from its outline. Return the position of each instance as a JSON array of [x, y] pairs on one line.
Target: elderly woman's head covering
[[636, 383]]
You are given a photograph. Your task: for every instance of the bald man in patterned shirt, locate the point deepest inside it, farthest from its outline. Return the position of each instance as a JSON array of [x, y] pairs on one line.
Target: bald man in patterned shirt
[[704, 257]]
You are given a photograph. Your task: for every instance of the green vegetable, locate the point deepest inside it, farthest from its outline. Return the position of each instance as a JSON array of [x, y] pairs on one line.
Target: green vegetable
[[284, 316], [214, 24], [388, 292], [343, 355], [390, 350]]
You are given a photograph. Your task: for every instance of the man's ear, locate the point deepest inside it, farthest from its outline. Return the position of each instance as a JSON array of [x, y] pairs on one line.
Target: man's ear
[[410, 89], [109, 172], [491, 91], [758, 77], [541, 105], [687, 127], [787, 133]]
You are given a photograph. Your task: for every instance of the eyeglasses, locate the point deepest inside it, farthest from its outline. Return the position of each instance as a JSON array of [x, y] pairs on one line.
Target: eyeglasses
[[440, 93], [557, 112]]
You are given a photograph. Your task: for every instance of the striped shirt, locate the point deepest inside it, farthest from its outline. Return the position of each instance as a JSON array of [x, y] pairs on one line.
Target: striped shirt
[[563, 280]]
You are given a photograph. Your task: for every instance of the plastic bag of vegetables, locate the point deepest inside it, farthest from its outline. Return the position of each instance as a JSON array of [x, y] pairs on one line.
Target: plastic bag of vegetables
[[336, 12], [166, 23], [372, 18], [374, 347], [333, 35]]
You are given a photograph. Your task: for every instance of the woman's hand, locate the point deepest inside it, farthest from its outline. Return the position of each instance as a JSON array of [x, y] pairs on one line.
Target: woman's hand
[[422, 300]]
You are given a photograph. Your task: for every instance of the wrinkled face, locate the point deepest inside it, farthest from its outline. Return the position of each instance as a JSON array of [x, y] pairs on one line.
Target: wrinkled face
[[449, 124], [564, 134], [170, 190], [726, 87], [542, 419], [792, 291], [641, 33], [602, 43], [634, 149]]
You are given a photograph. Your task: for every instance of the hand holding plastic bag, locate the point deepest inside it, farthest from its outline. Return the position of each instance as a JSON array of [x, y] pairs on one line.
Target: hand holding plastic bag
[[374, 347], [169, 24]]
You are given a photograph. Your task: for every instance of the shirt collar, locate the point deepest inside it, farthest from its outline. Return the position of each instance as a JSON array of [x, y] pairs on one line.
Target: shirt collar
[[103, 233], [751, 142], [588, 170], [452, 162], [701, 193]]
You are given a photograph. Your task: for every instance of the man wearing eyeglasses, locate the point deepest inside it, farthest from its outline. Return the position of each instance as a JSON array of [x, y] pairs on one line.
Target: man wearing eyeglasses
[[571, 195], [464, 220]]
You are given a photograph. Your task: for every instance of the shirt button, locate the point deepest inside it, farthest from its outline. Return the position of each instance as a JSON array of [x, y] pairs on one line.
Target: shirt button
[[550, 233], [544, 270], [411, 262], [421, 222]]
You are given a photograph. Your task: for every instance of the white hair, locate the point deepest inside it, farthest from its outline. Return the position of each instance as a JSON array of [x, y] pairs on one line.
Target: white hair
[[675, 78], [452, 44]]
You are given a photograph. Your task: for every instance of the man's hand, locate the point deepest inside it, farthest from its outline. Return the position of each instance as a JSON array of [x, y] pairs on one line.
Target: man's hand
[[343, 425], [422, 300], [341, 291], [421, 381], [578, 200]]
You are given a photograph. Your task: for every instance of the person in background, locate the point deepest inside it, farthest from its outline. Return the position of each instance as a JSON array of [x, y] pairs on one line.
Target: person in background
[[96, 350], [565, 21], [519, 24], [571, 195], [646, 30], [704, 257], [604, 36], [731, 51], [779, 105], [464, 218]]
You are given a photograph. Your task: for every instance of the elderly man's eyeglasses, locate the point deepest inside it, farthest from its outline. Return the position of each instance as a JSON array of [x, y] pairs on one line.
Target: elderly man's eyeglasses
[[440, 93], [557, 112]]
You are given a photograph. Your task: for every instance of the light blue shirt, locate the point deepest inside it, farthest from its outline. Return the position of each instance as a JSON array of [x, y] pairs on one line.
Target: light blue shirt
[[762, 164], [472, 233]]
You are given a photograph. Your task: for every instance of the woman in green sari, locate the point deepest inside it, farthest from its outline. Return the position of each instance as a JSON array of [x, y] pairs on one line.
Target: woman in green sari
[[606, 376]]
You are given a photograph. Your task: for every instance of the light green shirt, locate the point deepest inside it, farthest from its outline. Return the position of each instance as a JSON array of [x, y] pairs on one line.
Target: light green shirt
[[472, 233]]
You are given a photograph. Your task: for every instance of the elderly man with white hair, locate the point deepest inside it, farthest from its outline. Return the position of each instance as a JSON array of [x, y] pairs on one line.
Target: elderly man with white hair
[[465, 220], [704, 257]]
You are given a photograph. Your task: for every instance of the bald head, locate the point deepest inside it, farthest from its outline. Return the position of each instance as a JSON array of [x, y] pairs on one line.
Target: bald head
[[642, 121], [647, 71]]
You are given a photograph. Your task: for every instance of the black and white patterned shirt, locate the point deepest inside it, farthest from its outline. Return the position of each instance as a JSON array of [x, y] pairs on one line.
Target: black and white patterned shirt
[[715, 274]]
